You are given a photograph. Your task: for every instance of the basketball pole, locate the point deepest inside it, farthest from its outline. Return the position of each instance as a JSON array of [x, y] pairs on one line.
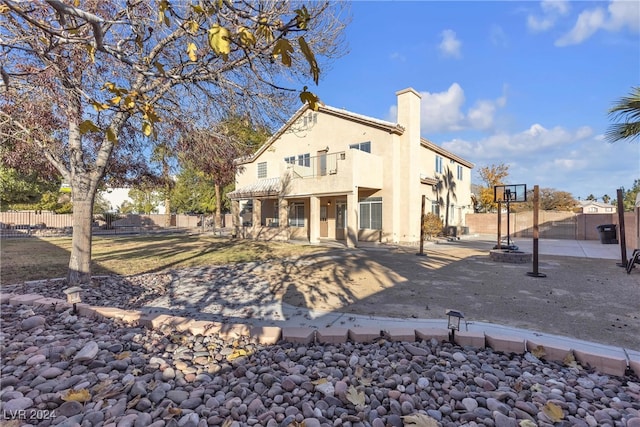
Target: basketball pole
[[536, 233], [499, 245]]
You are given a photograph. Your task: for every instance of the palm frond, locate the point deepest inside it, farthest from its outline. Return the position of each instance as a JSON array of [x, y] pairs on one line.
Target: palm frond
[[627, 110]]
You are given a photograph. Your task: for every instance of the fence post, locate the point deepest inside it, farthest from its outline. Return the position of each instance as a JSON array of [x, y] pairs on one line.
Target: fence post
[[623, 237]]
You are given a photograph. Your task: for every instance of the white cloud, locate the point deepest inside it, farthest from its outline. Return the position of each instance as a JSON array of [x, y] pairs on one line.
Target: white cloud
[[444, 111], [552, 10], [481, 115], [552, 157], [588, 23], [624, 14], [450, 45], [561, 7], [535, 140], [619, 15], [498, 36]]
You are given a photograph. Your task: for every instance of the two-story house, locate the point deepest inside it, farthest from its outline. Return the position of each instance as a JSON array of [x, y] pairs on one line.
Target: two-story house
[[594, 207], [336, 175]]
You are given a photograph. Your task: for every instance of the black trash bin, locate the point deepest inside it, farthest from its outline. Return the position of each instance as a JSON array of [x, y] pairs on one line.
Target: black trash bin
[[608, 234]]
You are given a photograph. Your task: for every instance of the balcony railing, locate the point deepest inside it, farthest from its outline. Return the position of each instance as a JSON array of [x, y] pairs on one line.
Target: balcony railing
[[322, 165]]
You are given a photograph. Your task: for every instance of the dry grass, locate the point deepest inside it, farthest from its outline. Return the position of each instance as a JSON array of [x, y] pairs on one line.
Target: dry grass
[[34, 259]]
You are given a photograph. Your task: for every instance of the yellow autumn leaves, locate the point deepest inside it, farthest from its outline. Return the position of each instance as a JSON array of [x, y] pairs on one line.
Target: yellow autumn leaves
[[221, 40], [126, 100]]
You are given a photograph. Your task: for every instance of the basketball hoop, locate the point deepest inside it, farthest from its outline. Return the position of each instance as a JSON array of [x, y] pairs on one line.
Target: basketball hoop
[[515, 193]]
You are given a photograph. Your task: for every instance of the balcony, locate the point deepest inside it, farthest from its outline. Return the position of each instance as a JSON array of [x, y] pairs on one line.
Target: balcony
[[335, 172]]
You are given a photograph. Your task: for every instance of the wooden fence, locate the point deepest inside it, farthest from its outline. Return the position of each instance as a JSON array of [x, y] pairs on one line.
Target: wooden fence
[[44, 223]]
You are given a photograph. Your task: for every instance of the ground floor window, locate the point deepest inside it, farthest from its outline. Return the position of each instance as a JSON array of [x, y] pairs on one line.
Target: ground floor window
[[296, 217], [435, 208], [371, 213]]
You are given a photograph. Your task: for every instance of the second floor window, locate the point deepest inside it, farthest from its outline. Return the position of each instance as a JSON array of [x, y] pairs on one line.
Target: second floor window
[[262, 170], [304, 160], [362, 146], [438, 164], [291, 160], [460, 172]]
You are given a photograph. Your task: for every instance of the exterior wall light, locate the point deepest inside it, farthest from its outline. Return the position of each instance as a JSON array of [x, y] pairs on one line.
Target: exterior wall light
[[73, 296], [453, 322]]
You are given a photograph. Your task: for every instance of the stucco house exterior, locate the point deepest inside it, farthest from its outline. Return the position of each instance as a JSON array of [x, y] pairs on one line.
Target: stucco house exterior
[[336, 175], [594, 207]]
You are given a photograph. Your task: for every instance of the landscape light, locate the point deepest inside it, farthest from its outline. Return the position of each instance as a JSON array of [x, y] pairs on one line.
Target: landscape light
[[73, 296], [453, 322]]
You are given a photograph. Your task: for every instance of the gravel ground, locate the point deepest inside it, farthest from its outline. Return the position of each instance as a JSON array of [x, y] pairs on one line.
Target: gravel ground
[[60, 369]]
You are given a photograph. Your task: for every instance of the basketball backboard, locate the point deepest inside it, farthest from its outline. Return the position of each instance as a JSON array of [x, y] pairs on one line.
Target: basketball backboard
[[510, 193]]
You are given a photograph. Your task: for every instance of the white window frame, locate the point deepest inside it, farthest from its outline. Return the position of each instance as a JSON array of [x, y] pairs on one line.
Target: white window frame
[[294, 218], [362, 146], [438, 164], [304, 159], [366, 210], [460, 172], [262, 170]]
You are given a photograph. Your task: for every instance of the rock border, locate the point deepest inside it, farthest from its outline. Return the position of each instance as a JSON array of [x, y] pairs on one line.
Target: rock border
[[270, 335]]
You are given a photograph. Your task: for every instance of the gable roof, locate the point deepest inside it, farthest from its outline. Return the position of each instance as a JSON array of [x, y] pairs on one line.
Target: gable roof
[[436, 148], [587, 203], [336, 112]]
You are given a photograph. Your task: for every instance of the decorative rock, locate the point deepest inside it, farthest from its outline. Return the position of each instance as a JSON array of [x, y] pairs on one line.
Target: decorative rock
[[49, 373], [162, 377], [415, 351], [71, 408], [469, 404], [32, 322], [326, 388], [88, 352], [17, 404]]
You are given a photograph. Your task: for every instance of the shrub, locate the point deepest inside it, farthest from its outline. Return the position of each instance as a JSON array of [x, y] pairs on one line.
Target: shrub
[[432, 225]]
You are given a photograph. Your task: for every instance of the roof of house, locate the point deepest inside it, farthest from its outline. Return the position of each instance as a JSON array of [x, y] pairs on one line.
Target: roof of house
[[344, 114], [585, 203], [261, 188], [355, 117], [436, 148]]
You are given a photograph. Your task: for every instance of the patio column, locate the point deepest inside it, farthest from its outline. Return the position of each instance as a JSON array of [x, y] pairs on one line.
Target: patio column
[[314, 219], [257, 218], [283, 218], [235, 217], [352, 218]]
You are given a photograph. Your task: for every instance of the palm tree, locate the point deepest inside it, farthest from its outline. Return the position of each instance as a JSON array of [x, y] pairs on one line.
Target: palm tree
[[448, 183], [627, 108]]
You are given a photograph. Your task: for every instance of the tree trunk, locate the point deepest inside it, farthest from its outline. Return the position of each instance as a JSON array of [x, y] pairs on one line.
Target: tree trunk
[[218, 216], [79, 272], [167, 212], [446, 214]]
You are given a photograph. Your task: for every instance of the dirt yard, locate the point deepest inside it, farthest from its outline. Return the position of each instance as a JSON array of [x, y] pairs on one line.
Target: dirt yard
[[589, 299]]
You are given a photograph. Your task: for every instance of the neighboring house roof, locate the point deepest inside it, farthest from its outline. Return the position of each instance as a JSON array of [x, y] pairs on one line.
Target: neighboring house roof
[[587, 203], [261, 188], [344, 114]]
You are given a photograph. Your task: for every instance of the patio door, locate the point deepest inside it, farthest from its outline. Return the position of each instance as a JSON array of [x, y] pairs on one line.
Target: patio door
[[324, 223], [322, 162], [341, 220]]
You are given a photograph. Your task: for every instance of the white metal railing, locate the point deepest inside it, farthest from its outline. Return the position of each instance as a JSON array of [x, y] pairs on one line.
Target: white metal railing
[[322, 165]]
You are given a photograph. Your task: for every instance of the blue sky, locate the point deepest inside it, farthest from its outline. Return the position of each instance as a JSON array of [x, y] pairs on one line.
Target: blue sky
[[527, 84]]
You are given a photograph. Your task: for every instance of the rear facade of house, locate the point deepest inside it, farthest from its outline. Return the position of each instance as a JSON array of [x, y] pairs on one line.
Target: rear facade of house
[[335, 175]]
